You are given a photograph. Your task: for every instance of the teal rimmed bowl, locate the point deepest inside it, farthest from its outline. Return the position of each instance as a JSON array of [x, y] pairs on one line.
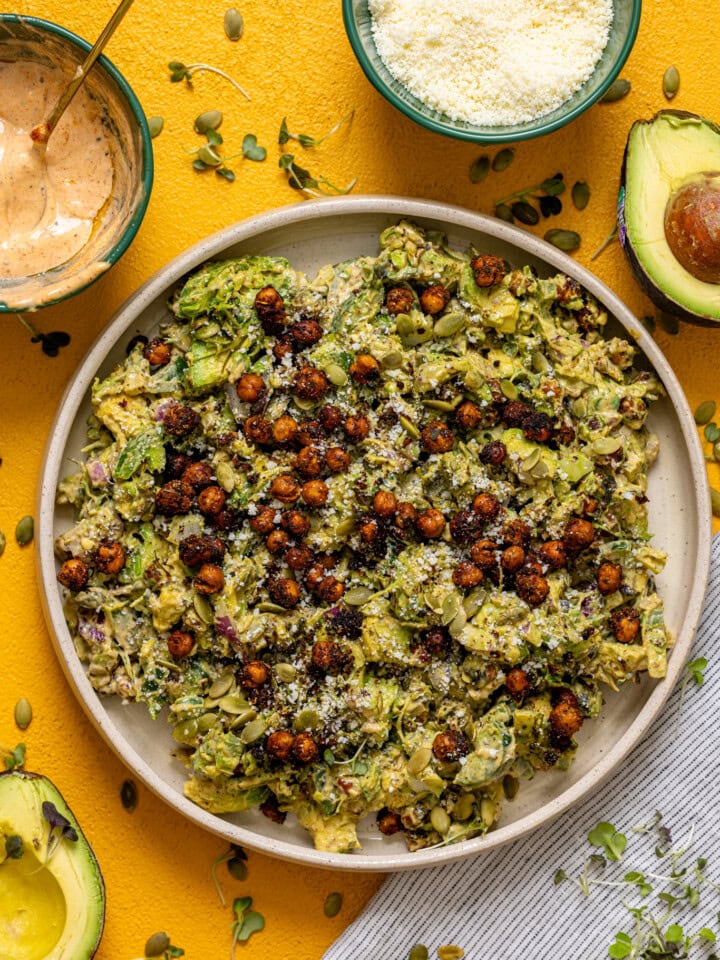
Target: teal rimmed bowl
[[358, 25], [29, 38]]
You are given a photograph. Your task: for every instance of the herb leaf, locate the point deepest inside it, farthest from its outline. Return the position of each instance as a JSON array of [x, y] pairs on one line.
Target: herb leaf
[[605, 835], [14, 759], [14, 847], [696, 670], [251, 150]]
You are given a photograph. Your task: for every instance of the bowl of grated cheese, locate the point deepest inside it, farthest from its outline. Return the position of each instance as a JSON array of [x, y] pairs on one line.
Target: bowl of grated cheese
[[476, 70]]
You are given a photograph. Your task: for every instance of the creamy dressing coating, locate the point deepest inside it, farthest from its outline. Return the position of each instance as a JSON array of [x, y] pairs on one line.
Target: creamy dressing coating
[[49, 199]]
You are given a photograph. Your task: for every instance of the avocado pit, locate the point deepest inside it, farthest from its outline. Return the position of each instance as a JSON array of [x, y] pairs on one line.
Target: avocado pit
[[692, 226]]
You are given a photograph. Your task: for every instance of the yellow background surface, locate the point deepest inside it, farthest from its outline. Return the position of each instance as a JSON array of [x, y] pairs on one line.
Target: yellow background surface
[[294, 60]]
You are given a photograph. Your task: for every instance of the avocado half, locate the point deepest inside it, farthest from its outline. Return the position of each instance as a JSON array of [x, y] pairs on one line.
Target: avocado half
[[52, 910], [667, 159]]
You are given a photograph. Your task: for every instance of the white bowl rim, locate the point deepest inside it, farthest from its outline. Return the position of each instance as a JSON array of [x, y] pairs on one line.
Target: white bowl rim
[[400, 207]]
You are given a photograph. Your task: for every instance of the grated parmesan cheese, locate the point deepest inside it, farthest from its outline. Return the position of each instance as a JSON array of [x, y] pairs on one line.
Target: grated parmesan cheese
[[491, 62]]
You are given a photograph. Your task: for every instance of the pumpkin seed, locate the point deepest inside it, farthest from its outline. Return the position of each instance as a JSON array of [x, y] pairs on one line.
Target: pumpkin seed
[[285, 672], [540, 470], [415, 708], [668, 322], [23, 713], [464, 807], [243, 718], [333, 904], [186, 732], [2, 543], [225, 476], [203, 608], [579, 407], [525, 213], [540, 362], [450, 607], [480, 169], [404, 324], [488, 811], [671, 82], [233, 23], [336, 375], [307, 719], [210, 120], [529, 462], [303, 404], [24, 531], [207, 722], [449, 324], [128, 795], [392, 360], [705, 412], [418, 761], [253, 731], [511, 785], [473, 602], [233, 704], [418, 952], [155, 125], [450, 952], [441, 405], [157, 945], [440, 820], [503, 212], [616, 91], [221, 686], [267, 607], [357, 596], [503, 159], [715, 501], [458, 624], [566, 240], [607, 445], [409, 428], [508, 389], [580, 195]]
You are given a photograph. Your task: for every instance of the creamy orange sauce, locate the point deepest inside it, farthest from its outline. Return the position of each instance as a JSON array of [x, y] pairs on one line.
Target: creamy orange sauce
[[49, 197]]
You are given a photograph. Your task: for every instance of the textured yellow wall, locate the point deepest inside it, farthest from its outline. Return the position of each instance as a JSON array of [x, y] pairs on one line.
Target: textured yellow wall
[[294, 60]]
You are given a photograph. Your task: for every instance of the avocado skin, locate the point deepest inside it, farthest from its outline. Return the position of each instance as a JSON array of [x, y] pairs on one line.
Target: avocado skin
[[661, 300], [31, 787]]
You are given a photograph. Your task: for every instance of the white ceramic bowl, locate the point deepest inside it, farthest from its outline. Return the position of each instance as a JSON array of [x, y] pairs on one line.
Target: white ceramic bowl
[[310, 235]]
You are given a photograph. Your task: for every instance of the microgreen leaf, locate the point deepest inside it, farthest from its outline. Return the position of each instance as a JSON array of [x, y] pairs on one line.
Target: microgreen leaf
[[14, 847], [696, 669], [553, 186], [199, 165], [252, 922], [329, 757], [559, 876], [225, 172], [304, 139], [15, 758], [57, 821], [622, 946], [180, 71], [708, 935], [604, 835], [174, 951], [214, 138], [284, 135], [674, 933], [251, 150]]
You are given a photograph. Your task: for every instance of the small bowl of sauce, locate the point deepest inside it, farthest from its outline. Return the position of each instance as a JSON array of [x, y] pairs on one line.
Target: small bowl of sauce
[[70, 210]]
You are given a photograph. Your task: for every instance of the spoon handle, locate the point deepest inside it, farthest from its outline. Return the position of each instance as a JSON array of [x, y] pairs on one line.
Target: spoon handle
[[74, 85]]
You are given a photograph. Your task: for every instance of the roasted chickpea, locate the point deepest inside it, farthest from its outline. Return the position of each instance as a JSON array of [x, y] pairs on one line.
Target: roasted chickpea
[[319, 570], [437, 437], [225, 520], [515, 413], [285, 592], [278, 745], [309, 383], [466, 526], [295, 522], [304, 749], [466, 575], [330, 590], [109, 557], [435, 642], [531, 587], [388, 822], [299, 558], [310, 462], [285, 430], [517, 683], [283, 347], [609, 577], [493, 453], [305, 333], [179, 420], [356, 427], [564, 434], [486, 506], [371, 530], [250, 388], [512, 558], [74, 574], [484, 554], [211, 501], [538, 427], [254, 674], [309, 432], [468, 416], [328, 657], [277, 541], [590, 506], [210, 579], [516, 534], [258, 430], [315, 493], [578, 535], [330, 417], [337, 459], [173, 498], [180, 643], [625, 624], [157, 352], [365, 369], [552, 554], [405, 518], [270, 309], [263, 521], [450, 746], [434, 299], [198, 475], [430, 523], [488, 270], [385, 504], [175, 464], [566, 718], [399, 300], [196, 550], [285, 488], [270, 808]]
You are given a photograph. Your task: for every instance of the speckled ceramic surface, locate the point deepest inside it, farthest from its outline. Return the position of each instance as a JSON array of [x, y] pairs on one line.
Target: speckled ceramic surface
[[310, 235]]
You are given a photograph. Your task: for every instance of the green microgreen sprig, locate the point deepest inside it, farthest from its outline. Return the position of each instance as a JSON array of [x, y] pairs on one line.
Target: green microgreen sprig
[[14, 759], [247, 922], [180, 71], [208, 157], [236, 860], [517, 206], [304, 139], [314, 186]]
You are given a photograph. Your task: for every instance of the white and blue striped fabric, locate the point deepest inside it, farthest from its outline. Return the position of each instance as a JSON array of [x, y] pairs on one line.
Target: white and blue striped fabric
[[505, 906]]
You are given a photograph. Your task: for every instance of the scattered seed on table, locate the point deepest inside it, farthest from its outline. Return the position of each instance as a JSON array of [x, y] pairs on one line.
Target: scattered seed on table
[[237, 868], [580, 194], [2, 543], [24, 531], [503, 159], [233, 23], [450, 952], [210, 120], [617, 90], [23, 713], [671, 82], [157, 945], [333, 904], [418, 952], [155, 125], [669, 323], [480, 168], [567, 240], [503, 212], [705, 412], [128, 795], [715, 501]]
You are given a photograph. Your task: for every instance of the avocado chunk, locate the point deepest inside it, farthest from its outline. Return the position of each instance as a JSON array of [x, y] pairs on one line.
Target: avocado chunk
[[669, 213], [52, 907]]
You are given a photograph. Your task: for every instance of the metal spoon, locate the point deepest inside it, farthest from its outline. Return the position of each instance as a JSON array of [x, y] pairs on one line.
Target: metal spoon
[[41, 133]]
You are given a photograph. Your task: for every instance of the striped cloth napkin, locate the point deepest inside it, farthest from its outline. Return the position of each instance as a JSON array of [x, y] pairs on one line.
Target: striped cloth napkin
[[505, 905]]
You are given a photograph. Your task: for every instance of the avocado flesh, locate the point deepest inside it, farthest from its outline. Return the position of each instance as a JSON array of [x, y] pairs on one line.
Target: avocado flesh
[[51, 910], [662, 155]]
